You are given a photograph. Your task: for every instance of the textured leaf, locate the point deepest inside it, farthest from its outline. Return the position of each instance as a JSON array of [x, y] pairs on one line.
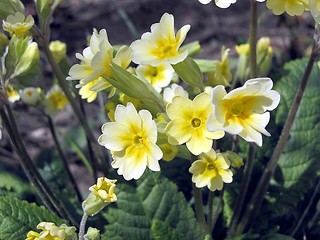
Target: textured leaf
[[299, 162], [155, 198], [18, 217], [161, 231]]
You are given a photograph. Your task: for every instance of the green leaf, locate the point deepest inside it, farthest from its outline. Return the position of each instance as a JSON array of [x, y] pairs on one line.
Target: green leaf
[[13, 185], [10, 7], [161, 231], [299, 162], [189, 72], [155, 198], [18, 217]]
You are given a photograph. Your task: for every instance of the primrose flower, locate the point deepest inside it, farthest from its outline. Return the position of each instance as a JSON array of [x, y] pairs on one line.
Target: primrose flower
[[292, 7], [86, 93], [18, 24], [52, 232], [96, 60], [132, 139], [102, 194], [159, 76], [188, 123], [222, 74], [104, 189], [12, 94], [174, 90], [55, 100], [161, 45], [243, 111], [30, 95], [211, 170]]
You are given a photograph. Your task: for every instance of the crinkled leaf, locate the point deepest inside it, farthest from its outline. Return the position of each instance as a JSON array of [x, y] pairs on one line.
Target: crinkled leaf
[[18, 217], [155, 198], [299, 162], [161, 231]]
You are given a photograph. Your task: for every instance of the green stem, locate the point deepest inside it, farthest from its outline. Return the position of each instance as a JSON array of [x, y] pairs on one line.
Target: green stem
[[65, 87], [243, 190], [252, 148], [210, 213], [254, 205], [125, 18], [198, 203], [64, 159], [306, 210], [82, 228], [29, 168]]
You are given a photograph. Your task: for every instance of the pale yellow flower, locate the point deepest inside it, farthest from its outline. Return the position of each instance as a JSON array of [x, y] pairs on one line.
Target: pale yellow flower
[[32, 235], [159, 76], [18, 24], [132, 139], [188, 123], [161, 45], [104, 189], [243, 111], [292, 7], [52, 232], [211, 170], [55, 100], [30, 95], [86, 93], [96, 60], [13, 95], [174, 90]]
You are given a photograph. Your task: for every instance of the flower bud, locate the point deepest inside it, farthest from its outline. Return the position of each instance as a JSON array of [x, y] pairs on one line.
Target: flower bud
[[102, 194], [29, 61], [18, 24], [264, 55], [235, 160], [12, 94], [92, 234], [59, 50]]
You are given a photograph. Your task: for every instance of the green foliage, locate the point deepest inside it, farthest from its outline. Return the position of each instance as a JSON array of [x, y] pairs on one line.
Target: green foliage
[[189, 72], [18, 217], [161, 231], [13, 185], [299, 163], [154, 203], [10, 7]]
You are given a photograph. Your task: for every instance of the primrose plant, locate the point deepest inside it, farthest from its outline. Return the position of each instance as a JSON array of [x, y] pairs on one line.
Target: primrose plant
[[178, 130]]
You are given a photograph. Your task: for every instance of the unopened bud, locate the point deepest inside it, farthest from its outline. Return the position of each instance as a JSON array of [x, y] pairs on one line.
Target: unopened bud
[[59, 50]]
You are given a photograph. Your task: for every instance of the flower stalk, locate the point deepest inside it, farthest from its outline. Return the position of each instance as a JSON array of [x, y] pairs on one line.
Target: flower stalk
[[252, 148], [28, 166], [254, 205], [41, 39]]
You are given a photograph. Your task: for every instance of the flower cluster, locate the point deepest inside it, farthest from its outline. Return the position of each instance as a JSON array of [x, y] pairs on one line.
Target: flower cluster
[[52, 232], [136, 140]]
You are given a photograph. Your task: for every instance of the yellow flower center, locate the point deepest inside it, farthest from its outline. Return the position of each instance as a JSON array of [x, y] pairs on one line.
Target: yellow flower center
[[138, 141], [237, 108], [211, 167], [167, 49], [29, 93], [196, 122]]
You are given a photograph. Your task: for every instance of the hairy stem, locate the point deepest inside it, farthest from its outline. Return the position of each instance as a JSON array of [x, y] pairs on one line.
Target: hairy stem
[[252, 148], [82, 228], [254, 205]]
